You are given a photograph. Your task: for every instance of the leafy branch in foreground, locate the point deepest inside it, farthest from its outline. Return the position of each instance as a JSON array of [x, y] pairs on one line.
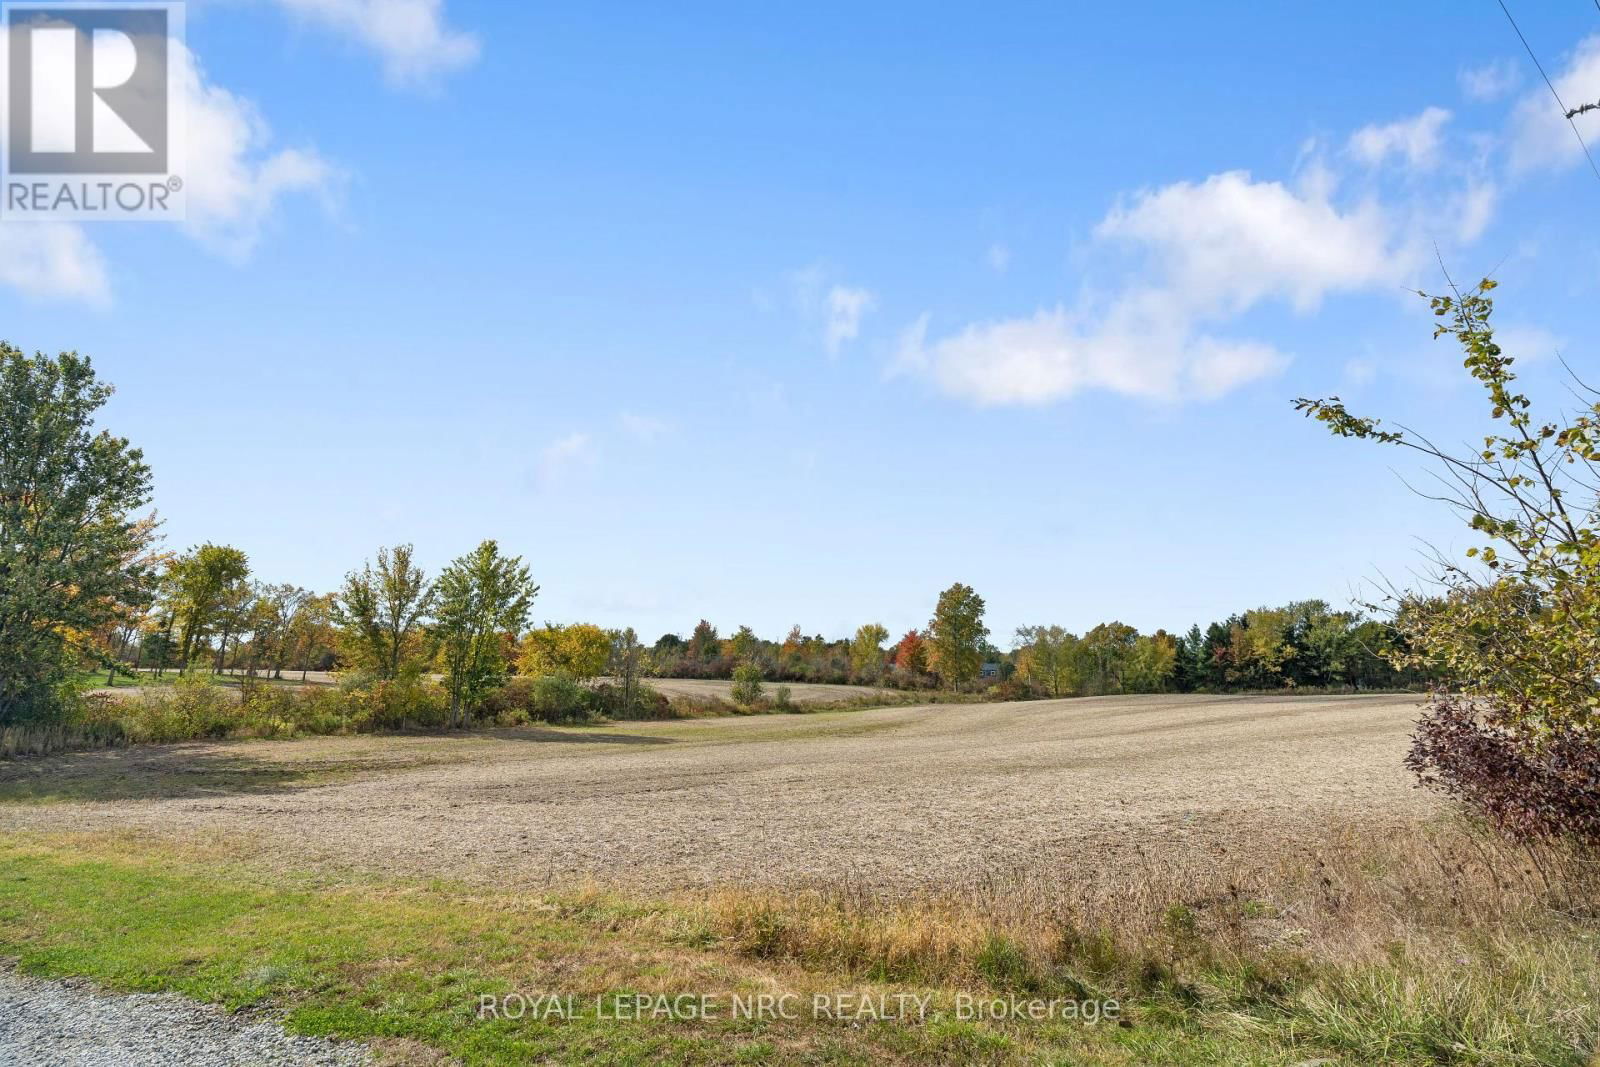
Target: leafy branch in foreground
[[1517, 632]]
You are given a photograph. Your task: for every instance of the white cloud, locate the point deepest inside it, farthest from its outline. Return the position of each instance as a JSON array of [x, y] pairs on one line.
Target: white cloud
[[845, 308], [232, 185], [1490, 81], [1230, 241], [837, 310], [1541, 138], [1415, 140], [998, 257], [1527, 343], [1475, 207], [1137, 350], [1203, 252], [643, 427], [231, 182], [53, 260], [562, 457], [410, 36]]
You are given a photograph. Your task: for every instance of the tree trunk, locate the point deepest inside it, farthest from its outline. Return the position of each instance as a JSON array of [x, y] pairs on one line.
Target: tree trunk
[[222, 651]]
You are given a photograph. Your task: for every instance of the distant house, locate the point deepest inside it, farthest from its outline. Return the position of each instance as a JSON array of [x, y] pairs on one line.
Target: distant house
[[989, 670]]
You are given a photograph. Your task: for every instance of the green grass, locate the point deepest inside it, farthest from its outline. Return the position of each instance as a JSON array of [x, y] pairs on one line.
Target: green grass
[[146, 679], [402, 963], [97, 680]]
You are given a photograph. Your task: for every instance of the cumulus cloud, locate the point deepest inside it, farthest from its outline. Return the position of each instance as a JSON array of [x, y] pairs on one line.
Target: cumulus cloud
[[1541, 138], [232, 181], [411, 37], [1415, 140], [1230, 241], [1171, 269], [53, 260], [1490, 81], [1202, 253], [1140, 349]]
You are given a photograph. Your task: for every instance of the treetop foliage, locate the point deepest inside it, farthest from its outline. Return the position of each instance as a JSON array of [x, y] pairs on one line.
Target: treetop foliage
[[71, 550]]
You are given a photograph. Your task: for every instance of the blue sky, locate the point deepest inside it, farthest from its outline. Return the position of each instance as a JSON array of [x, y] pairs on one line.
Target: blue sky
[[799, 313]]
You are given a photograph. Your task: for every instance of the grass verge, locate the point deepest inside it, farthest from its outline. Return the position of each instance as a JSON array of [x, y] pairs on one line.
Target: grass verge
[[1440, 948]]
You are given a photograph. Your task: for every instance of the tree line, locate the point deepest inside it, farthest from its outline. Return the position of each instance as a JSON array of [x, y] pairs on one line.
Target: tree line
[[85, 582]]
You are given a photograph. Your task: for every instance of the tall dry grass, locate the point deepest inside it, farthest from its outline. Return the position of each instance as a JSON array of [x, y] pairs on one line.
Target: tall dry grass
[[1439, 943]]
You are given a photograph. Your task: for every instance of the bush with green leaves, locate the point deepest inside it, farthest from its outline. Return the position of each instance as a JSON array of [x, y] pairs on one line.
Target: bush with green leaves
[[746, 684], [639, 702], [1515, 628], [551, 698]]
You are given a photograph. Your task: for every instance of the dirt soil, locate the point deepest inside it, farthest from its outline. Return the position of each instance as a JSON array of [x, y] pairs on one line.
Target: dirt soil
[[910, 796]]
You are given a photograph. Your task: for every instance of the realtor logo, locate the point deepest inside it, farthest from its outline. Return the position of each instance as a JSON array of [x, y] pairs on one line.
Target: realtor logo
[[91, 124]]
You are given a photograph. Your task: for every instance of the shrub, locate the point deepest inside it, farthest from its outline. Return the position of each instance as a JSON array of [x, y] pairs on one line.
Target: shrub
[[194, 707], [783, 700], [278, 711], [746, 684], [551, 698], [647, 703], [1514, 630], [1530, 788], [397, 704], [507, 702], [1016, 688]]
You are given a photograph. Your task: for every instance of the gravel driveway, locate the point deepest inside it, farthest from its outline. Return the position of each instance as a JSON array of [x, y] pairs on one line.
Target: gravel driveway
[[69, 1024]]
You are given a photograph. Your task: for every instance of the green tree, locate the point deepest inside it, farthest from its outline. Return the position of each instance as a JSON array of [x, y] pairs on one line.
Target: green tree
[[70, 550], [1108, 650], [312, 635], [583, 650], [205, 583], [1260, 648], [1152, 663], [479, 597], [746, 684], [866, 650], [539, 652], [282, 606], [626, 664], [578, 652], [380, 611], [956, 635], [1049, 656], [703, 643], [744, 644], [239, 613]]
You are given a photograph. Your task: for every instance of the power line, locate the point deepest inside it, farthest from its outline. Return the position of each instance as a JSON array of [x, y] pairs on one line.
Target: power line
[[1540, 66]]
